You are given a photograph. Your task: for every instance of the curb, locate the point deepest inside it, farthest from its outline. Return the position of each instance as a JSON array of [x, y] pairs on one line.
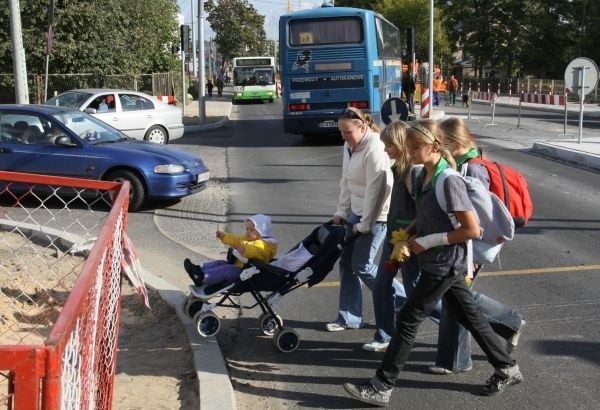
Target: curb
[[211, 369], [202, 127]]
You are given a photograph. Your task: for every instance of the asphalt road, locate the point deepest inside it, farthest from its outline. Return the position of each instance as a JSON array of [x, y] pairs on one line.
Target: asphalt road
[[548, 273]]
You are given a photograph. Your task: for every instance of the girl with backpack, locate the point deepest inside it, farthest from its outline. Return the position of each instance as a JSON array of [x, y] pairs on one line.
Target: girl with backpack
[[441, 247], [454, 341]]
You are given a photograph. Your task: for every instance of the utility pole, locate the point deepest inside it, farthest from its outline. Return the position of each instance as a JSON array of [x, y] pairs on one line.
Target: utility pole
[[201, 79], [194, 72], [19, 66]]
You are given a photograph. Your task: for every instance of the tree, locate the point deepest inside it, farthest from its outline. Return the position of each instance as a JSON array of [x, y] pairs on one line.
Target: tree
[[102, 37], [238, 26], [415, 13]]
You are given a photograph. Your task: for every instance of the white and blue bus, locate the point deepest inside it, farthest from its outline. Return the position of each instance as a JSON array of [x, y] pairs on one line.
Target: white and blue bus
[[332, 58], [254, 79]]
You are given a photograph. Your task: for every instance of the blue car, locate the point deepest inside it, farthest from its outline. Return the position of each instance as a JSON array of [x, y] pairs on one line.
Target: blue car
[[50, 140]]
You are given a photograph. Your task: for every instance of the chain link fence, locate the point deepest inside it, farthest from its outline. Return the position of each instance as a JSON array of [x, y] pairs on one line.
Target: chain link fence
[[61, 242]]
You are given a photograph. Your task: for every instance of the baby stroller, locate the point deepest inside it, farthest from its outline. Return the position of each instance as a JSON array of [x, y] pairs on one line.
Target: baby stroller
[[306, 263]]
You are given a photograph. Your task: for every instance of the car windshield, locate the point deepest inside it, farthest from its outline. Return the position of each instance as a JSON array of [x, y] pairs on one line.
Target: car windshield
[[72, 99], [90, 129]]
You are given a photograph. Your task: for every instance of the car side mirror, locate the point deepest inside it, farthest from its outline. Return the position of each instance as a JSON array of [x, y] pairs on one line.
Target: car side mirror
[[64, 141], [91, 110]]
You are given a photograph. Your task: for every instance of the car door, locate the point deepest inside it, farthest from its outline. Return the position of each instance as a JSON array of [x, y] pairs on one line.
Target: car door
[[38, 154], [137, 113]]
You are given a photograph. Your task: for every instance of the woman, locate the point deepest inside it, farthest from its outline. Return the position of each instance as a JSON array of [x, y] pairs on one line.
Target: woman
[[363, 206]]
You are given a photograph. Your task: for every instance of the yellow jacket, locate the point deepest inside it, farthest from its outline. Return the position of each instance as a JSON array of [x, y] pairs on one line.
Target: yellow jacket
[[263, 249]]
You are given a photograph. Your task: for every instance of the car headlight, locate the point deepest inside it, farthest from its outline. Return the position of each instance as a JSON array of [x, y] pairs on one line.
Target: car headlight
[[169, 169]]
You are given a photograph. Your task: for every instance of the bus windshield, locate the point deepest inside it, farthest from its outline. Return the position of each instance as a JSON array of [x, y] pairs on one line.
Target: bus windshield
[[243, 76]]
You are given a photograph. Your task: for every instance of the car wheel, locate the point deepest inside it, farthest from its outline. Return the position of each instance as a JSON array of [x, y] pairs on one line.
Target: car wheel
[[157, 134], [137, 193]]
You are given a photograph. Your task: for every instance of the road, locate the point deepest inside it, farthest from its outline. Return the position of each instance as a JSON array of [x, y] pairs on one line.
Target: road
[[548, 273]]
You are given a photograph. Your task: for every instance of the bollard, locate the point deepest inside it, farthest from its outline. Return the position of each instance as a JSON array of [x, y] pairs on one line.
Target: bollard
[[425, 103], [564, 134], [519, 114], [491, 124]]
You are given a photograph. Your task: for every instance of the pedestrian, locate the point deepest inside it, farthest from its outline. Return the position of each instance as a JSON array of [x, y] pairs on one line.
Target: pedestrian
[[363, 203], [209, 87], [388, 293], [408, 88], [442, 252], [454, 341], [256, 243], [437, 86], [452, 89], [220, 87]]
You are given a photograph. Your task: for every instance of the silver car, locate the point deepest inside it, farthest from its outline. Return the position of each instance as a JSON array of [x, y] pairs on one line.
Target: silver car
[[138, 115]]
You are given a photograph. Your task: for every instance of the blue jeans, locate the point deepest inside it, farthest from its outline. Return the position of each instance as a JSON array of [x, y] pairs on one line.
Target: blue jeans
[[356, 267], [454, 341], [459, 300], [389, 295]]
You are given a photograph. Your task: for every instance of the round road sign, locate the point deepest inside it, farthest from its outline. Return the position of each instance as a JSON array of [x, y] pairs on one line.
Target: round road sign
[[573, 77], [394, 109]]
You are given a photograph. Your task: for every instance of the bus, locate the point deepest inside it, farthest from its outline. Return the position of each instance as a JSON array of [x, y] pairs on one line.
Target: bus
[[332, 58], [254, 79]]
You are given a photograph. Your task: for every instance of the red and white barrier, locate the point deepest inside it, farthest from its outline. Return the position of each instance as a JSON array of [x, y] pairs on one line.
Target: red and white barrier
[[169, 99], [543, 99], [425, 102], [482, 96]]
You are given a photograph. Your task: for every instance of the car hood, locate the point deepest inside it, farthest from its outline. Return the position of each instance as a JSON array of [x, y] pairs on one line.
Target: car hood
[[158, 152]]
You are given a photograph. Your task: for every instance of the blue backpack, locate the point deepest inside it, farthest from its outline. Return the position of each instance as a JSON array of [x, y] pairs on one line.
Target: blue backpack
[[494, 217]]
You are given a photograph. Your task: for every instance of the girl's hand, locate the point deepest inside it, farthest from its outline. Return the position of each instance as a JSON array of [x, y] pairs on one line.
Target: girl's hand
[[220, 234], [240, 248]]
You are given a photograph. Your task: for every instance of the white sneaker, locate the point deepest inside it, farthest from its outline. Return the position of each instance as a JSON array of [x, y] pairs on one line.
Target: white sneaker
[[442, 371], [335, 327], [513, 341], [375, 346]]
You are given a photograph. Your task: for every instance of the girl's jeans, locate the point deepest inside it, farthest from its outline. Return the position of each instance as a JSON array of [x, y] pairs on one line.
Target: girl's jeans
[[356, 266], [219, 271], [459, 301], [389, 295]]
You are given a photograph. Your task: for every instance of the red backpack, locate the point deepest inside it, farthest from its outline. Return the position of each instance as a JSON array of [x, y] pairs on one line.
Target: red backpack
[[511, 187]]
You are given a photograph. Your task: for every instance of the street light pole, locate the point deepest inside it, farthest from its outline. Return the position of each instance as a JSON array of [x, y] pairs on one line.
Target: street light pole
[[431, 52], [19, 66], [201, 79]]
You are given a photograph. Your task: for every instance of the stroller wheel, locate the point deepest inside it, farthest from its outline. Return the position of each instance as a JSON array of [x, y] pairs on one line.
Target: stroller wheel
[[191, 306], [268, 324], [207, 323], [286, 340]]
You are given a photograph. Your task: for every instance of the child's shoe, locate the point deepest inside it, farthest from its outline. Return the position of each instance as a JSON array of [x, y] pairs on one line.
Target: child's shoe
[[195, 272]]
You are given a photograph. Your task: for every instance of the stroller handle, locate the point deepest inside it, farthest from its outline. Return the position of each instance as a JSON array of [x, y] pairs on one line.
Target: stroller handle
[[351, 239]]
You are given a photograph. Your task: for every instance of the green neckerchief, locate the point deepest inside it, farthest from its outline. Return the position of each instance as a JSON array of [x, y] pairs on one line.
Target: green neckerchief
[[472, 153], [441, 165]]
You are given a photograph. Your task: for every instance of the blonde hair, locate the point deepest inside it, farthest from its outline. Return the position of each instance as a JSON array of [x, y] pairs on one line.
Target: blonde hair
[[456, 130], [363, 118], [395, 134], [428, 132]]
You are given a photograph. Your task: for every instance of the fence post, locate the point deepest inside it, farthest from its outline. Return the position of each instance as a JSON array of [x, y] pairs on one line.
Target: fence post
[[491, 124]]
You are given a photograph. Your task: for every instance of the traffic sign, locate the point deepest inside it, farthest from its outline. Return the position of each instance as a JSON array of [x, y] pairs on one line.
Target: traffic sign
[[574, 79], [394, 109]]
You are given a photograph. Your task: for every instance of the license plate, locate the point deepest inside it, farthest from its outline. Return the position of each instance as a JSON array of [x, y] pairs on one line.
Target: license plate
[[328, 124]]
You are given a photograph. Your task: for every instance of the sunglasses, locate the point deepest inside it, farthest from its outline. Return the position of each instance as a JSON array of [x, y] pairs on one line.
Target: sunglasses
[[350, 113]]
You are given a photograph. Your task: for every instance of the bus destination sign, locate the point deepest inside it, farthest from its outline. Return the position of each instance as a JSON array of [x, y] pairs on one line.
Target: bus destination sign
[[246, 62], [331, 81]]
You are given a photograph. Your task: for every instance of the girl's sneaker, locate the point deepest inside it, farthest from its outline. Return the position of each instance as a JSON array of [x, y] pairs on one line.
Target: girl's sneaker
[[368, 393], [501, 379]]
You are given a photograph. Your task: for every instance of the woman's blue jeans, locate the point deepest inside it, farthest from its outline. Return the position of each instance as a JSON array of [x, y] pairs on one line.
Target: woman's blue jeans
[[357, 266], [389, 295]]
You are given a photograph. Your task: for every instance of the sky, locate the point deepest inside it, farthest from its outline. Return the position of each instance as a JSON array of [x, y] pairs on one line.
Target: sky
[[271, 9]]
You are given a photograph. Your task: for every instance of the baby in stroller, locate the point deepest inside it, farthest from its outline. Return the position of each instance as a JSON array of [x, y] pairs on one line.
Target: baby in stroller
[[308, 263], [256, 243]]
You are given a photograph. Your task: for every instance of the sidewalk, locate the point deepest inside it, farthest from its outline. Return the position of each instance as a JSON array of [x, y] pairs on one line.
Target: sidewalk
[[215, 389]]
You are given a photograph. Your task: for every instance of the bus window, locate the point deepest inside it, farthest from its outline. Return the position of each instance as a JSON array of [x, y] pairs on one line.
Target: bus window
[[388, 39], [326, 31]]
